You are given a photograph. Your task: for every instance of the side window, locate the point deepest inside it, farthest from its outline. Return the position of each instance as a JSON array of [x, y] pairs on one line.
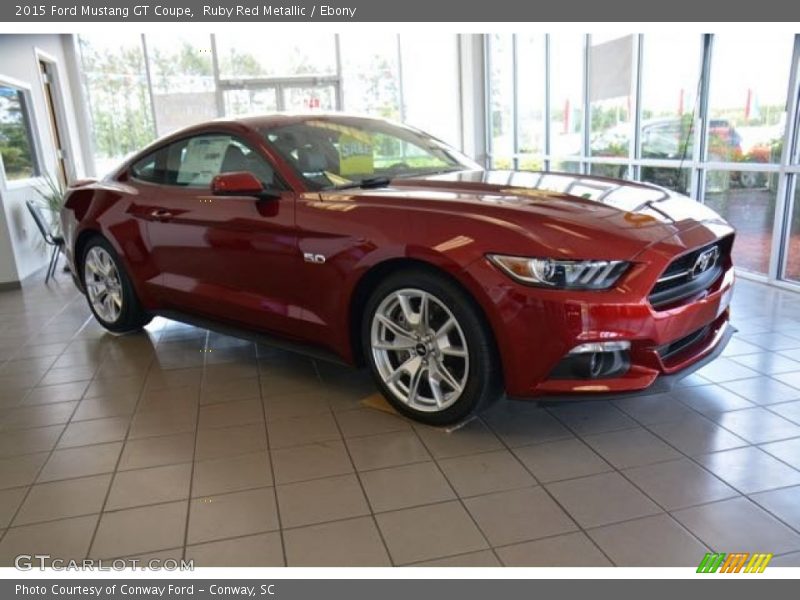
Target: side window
[[151, 167], [18, 158], [196, 161]]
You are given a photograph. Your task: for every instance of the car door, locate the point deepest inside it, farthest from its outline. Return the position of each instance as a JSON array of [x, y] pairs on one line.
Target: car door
[[228, 258]]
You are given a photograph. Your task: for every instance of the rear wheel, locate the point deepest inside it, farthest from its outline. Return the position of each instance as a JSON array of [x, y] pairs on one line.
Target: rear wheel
[[429, 348], [109, 291]]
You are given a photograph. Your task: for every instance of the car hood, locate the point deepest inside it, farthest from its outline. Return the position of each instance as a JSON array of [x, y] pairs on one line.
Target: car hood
[[557, 210]]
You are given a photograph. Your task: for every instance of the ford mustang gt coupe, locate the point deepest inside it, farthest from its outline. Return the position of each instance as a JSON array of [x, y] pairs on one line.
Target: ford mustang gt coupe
[[376, 244]]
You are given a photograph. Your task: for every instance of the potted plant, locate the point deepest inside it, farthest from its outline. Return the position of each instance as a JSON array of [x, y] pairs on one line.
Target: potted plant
[[51, 193]]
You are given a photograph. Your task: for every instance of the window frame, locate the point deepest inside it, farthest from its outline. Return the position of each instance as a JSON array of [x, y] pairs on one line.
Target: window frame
[[29, 119]]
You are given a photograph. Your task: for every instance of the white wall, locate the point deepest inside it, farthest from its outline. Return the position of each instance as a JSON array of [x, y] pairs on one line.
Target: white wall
[[21, 249]]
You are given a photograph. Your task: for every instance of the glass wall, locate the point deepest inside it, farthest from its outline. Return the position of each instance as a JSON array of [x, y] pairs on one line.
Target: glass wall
[[140, 87], [703, 115], [669, 98], [792, 266], [115, 76], [746, 124], [675, 179], [611, 90], [566, 94], [501, 101], [530, 104], [669, 107], [430, 79], [248, 57], [160, 84], [747, 103], [371, 74], [182, 80], [791, 245], [750, 209], [247, 101], [517, 104]]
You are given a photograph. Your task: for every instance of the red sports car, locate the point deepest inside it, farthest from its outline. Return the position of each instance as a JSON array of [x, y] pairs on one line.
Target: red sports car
[[374, 243]]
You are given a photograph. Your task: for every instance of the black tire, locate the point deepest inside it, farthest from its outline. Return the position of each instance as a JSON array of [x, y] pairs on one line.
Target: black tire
[[132, 317], [484, 378]]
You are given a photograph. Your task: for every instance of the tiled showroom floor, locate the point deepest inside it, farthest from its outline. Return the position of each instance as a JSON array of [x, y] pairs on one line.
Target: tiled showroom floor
[[180, 443]]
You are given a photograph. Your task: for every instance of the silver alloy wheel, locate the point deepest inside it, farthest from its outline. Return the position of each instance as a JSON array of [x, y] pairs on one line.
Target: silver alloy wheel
[[420, 350], [103, 284]]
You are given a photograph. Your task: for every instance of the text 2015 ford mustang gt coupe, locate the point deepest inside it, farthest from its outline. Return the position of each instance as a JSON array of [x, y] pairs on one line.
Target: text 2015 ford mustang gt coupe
[[375, 243]]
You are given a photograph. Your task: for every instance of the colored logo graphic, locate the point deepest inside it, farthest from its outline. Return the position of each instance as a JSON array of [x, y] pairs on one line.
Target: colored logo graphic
[[739, 562]]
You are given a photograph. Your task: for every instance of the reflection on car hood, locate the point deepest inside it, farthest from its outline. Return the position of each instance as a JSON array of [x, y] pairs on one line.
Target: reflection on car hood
[[525, 189], [566, 212]]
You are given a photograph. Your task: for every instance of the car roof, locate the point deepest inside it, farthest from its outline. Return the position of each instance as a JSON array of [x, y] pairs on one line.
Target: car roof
[[254, 122]]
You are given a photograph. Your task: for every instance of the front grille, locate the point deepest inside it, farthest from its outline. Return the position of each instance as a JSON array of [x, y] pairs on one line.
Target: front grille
[[684, 277], [673, 348]]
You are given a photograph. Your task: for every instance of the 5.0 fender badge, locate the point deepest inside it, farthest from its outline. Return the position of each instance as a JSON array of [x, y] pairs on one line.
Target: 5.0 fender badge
[[310, 257]]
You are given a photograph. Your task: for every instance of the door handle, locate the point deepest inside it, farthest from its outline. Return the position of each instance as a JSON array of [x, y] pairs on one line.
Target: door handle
[[161, 214]]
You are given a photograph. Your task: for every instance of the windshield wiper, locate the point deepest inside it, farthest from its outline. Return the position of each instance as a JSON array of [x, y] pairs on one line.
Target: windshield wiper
[[366, 183]]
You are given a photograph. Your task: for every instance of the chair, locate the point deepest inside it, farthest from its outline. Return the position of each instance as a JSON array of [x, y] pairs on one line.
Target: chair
[[56, 241]]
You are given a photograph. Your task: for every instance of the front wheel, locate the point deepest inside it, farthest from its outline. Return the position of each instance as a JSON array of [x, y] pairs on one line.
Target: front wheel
[[429, 348], [111, 296]]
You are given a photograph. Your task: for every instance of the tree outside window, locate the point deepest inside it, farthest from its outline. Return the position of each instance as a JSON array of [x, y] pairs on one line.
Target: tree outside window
[[16, 148]]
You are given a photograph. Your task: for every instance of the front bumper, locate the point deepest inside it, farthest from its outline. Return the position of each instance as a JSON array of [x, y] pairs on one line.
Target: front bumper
[[536, 329], [656, 382]]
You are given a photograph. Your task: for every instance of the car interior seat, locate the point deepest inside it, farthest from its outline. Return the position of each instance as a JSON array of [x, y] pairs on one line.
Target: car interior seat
[[236, 160], [311, 160]]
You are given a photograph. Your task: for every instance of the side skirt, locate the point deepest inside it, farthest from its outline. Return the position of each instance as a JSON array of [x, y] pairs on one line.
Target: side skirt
[[254, 336]]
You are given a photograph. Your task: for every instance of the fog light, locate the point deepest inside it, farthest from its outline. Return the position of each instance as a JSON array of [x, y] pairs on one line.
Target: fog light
[[594, 360], [593, 347], [595, 364]]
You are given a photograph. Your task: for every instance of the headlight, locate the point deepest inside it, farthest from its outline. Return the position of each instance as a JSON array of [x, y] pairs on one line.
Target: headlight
[[562, 274]]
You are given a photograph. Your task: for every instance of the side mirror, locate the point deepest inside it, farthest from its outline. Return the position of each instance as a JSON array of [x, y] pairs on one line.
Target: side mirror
[[240, 183]]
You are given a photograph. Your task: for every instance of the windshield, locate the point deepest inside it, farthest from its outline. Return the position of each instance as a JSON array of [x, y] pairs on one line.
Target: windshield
[[330, 152]]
